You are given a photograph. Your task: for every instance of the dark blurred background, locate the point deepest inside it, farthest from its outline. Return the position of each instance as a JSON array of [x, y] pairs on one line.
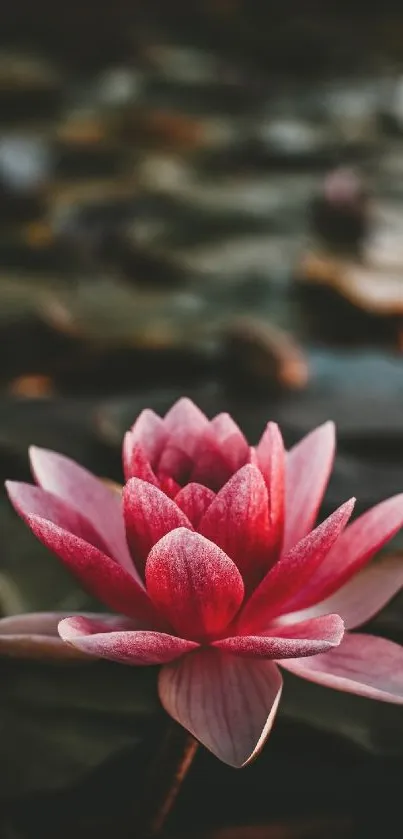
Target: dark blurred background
[[200, 198]]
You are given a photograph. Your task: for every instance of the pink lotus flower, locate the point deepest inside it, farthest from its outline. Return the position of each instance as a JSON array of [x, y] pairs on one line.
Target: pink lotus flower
[[211, 561]]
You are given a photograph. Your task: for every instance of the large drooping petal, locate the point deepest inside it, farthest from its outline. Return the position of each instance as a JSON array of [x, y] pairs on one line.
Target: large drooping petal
[[238, 521], [362, 597], [194, 500], [355, 547], [193, 583], [126, 646], [98, 573], [362, 664], [227, 702], [149, 514], [29, 500], [308, 469], [300, 639], [85, 493], [290, 579], [270, 458]]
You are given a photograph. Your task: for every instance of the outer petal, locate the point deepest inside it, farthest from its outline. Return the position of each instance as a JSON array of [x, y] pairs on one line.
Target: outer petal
[[29, 500], [238, 521], [226, 702], [135, 461], [289, 580], [35, 636], [194, 584], [361, 540], [46, 623], [194, 500], [149, 515], [300, 639], [128, 647], [98, 573], [270, 457], [149, 431], [86, 494], [309, 465], [362, 664], [362, 597]]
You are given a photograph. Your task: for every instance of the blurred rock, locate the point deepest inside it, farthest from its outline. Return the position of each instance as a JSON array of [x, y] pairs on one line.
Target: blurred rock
[[295, 140], [341, 210], [32, 387], [366, 287], [30, 88], [25, 160], [262, 355]]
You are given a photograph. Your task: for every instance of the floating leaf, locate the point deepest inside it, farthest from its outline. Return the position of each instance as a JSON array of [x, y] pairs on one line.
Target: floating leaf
[[74, 716]]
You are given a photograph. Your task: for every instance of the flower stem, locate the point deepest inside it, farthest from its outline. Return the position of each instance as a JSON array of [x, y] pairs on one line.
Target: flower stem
[[165, 778]]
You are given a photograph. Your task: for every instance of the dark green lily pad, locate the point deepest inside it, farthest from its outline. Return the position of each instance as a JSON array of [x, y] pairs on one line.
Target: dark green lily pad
[[60, 722], [112, 314], [373, 726]]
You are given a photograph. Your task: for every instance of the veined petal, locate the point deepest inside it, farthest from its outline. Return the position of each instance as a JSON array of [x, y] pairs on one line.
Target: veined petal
[[355, 547], [149, 515], [300, 639], [194, 500], [362, 597], [270, 457], [227, 702], [193, 583], [149, 431], [362, 664], [86, 494], [98, 573], [238, 521], [135, 461], [290, 579], [126, 646], [308, 469]]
